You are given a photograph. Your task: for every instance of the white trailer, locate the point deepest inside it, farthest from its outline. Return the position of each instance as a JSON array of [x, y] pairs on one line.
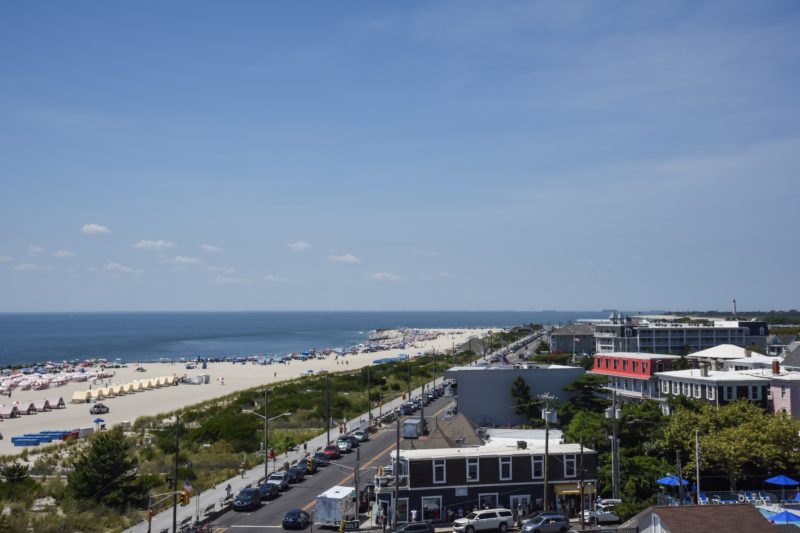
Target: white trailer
[[412, 428], [334, 505]]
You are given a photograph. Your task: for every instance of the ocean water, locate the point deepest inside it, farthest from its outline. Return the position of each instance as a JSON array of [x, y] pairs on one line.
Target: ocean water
[[38, 337]]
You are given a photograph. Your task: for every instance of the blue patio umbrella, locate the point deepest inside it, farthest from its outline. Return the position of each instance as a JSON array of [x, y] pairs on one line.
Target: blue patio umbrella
[[782, 480], [784, 517], [671, 481], [98, 420]]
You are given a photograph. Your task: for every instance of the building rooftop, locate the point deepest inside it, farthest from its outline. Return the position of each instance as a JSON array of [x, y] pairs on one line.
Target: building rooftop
[[641, 356], [505, 437], [523, 366], [739, 518], [722, 351], [493, 451], [713, 375], [574, 329], [447, 432]]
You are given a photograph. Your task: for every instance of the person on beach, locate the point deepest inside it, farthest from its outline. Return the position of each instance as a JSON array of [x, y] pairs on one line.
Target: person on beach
[[305, 447]]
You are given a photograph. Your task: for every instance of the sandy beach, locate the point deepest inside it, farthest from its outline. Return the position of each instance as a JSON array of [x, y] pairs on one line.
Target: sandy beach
[[236, 376]]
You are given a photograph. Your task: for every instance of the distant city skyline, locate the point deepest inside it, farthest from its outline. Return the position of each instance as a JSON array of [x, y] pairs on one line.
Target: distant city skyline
[[399, 156]]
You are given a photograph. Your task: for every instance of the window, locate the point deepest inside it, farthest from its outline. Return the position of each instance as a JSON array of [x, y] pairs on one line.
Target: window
[[624, 365], [665, 387], [439, 475], [730, 392], [473, 472], [644, 368], [505, 468], [570, 470], [635, 366], [537, 466], [432, 509], [697, 390], [676, 387], [783, 391], [615, 363], [607, 359], [755, 392], [710, 392]]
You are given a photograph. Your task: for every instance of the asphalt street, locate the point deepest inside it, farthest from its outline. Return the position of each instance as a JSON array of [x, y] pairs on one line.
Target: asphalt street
[[376, 452]]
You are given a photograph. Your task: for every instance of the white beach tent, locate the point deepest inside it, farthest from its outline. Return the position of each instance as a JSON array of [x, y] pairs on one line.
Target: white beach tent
[[27, 408], [97, 394], [56, 403], [9, 411], [144, 384], [41, 405], [81, 396]]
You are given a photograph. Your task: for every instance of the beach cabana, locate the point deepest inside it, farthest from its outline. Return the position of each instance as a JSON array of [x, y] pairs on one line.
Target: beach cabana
[[168, 380], [107, 392], [56, 403], [144, 384], [81, 396], [9, 411], [27, 408], [154, 383], [41, 406], [127, 388], [137, 386], [97, 394], [117, 390]]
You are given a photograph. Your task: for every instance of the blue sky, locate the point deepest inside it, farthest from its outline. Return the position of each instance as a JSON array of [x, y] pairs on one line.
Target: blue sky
[[399, 155]]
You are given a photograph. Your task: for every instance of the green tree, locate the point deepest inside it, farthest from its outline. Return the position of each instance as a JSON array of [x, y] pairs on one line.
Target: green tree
[[542, 347], [105, 474], [14, 473], [587, 398], [524, 404], [591, 428]]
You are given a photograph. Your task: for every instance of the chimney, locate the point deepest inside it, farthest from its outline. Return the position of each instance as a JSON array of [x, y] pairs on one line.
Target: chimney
[[748, 352], [776, 367]]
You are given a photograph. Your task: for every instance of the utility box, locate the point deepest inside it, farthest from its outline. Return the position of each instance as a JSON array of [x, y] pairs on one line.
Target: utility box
[[412, 428]]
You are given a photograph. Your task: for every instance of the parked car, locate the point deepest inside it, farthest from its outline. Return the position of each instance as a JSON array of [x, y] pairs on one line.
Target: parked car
[[361, 435], [99, 409], [353, 440], [603, 513], [332, 451], [247, 500], [269, 491], [345, 446], [296, 519], [321, 459], [280, 478], [414, 527], [297, 473], [546, 523], [485, 520]]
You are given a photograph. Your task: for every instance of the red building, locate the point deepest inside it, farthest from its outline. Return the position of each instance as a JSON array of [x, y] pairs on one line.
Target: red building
[[632, 375]]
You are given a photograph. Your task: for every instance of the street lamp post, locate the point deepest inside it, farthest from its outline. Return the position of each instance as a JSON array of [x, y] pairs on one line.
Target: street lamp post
[[267, 420], [547, 398]]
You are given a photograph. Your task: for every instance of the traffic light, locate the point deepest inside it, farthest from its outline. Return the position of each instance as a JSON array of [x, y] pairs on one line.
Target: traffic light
[[149, 515], [185, 497]]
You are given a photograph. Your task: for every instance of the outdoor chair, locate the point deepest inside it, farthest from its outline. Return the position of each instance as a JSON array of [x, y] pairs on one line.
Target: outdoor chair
[[702, 499], [764, 497], [724, 501], [795, 499], [750, 497]]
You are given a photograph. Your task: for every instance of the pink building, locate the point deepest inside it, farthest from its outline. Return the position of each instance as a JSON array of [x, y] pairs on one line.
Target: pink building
[[785, 389]]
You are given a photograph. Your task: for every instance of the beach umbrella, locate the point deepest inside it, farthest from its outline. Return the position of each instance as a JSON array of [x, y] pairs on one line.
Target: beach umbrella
[[783, 481], [98, 420], [671, 481], [784, 517]]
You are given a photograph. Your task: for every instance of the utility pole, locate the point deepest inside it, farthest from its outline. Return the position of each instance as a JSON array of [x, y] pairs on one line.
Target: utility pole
[[369, 402], [356, 480], [614, 414], [266, 433], [547, 397], [422, 409], [175, 476], [408, 366], [328, 406], [581, 463], [396, 476]]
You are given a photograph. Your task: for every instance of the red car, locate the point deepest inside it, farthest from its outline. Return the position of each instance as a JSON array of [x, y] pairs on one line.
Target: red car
[[332, 451]]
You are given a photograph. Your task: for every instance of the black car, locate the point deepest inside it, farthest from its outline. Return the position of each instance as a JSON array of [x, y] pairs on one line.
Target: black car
[[247, 500], [414, 527], [98, 409], [297, 473], [269, 491], [296, 519]]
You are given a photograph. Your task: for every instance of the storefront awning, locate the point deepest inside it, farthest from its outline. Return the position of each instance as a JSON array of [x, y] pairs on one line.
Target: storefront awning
[[573, 488]]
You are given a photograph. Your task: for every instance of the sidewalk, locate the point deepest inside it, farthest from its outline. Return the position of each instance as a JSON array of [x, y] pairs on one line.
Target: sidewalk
[[213, 501]]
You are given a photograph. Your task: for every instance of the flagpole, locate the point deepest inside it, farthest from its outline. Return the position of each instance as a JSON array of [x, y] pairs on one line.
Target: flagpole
[[697, 462]]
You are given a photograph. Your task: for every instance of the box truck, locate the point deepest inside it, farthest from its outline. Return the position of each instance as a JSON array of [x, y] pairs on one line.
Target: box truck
[[334, 505]]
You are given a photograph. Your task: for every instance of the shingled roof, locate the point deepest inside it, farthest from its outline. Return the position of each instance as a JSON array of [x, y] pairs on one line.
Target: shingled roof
[[739, 518], [446, 432], [575, 329]]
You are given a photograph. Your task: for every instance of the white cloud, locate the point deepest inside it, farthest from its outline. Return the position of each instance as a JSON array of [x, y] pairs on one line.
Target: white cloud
[[34, 250], [6, 258], [63, 254], [145, 244], [94, 229], [25, 267], [299, 246], [269, 278], [227, 280], [384, 276], [210, 248], [224, 270], [428, 277], [182, 260], [424, 253], [346, 258], [116, 268]]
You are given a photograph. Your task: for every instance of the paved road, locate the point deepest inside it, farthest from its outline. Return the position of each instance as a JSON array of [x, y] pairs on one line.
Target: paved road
[[376, 452]]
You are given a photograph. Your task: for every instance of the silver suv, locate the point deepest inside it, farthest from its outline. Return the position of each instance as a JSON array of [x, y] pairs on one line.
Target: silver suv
[[546, 523], [485, 520]]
